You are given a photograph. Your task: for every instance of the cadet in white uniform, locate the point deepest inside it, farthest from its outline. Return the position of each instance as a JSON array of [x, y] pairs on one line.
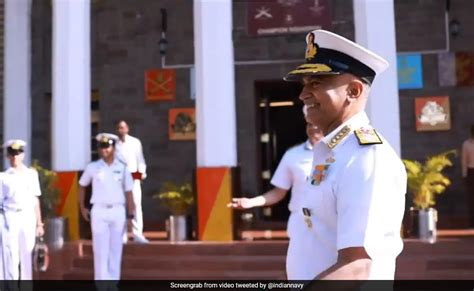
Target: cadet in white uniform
[[130, 150], [354, 204], [21, 214], [112, 205], [292, 172]]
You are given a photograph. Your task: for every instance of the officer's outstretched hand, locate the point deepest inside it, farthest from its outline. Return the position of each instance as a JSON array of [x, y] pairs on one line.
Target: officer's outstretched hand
[[39, 230], [85, 213], [240, 203]]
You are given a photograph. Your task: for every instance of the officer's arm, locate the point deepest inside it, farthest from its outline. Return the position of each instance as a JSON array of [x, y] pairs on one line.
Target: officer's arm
[[352, 264], [271, 197], [82, 195], [130, 204]]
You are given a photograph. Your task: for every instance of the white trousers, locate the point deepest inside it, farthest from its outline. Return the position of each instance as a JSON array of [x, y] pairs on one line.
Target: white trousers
[[108, 227], [21, 241]]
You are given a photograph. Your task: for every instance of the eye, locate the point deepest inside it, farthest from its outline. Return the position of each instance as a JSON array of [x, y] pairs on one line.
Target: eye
[[315, 83]]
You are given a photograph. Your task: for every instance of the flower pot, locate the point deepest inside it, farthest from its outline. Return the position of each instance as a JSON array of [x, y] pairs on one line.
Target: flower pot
[[54, 232], [427, 219], [177, 228]]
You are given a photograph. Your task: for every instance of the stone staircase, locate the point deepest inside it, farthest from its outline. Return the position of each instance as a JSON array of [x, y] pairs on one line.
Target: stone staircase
[[193, 261], [448, 259]]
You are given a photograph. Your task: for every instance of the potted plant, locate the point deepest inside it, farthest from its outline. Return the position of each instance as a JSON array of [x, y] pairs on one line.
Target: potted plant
[[54, 225], [425, 181], [178, 199]]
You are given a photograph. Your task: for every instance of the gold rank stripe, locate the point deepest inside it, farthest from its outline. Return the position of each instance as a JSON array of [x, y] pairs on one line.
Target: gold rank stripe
[[311, 68], [339, 136]]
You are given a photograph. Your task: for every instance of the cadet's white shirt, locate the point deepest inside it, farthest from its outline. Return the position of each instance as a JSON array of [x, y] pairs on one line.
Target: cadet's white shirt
[[359, 203], [131, 152], [20, 186], [293, 171], [109, 183]]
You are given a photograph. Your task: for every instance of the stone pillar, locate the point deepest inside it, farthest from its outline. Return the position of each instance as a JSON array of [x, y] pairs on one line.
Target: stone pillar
[[71, 113], [17, 74], [215, 116], [375, 29]]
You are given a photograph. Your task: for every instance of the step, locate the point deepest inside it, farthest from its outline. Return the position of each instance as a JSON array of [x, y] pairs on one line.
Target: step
[[80, 274], [200, 248], [194, 262]]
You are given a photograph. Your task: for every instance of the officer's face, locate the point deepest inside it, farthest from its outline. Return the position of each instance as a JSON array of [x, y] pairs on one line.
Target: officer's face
[[122, 128], [106, 152], [327, 100], [16, 159]]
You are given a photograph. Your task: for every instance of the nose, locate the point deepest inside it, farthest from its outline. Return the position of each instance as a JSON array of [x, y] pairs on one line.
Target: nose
[[305, 94]]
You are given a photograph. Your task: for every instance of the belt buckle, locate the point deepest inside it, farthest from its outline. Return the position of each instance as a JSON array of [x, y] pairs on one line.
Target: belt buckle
[[108, 206]]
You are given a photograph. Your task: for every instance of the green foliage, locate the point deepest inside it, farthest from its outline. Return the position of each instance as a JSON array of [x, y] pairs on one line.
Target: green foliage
[[50, 195], [426, 180], [176, 197]]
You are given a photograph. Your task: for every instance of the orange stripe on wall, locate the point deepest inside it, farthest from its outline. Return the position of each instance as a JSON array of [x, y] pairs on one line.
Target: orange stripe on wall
[[214, 192], [68, 206]]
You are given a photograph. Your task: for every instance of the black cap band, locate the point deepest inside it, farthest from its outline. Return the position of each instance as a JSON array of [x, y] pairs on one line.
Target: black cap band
[[13, 152], [340, 62], [104, 145]]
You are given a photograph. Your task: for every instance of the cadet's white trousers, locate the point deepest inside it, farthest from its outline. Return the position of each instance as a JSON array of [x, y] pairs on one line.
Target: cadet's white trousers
[[108, 227], [22, 237], [137, 221]]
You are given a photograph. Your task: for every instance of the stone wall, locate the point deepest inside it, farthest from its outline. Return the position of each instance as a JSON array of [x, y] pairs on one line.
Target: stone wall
[[125, 38]]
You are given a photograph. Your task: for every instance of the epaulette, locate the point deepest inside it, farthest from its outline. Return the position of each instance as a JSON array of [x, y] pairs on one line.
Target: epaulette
[[367, 136]]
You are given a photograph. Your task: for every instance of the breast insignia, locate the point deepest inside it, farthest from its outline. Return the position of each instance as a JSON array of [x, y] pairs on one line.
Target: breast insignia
[[367, 136]]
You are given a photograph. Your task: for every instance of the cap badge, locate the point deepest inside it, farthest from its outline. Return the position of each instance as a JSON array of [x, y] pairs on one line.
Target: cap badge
[[311, 48], [16, 146]]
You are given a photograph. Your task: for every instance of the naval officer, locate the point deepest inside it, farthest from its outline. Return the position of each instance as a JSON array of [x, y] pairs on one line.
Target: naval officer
[[353, 206], [112, 207], [21, 214]]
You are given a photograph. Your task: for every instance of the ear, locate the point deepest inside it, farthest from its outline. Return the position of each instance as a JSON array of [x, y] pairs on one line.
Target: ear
[[355, 89]]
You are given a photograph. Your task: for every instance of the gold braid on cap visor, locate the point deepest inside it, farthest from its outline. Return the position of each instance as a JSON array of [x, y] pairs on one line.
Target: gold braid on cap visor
[[311, 68]]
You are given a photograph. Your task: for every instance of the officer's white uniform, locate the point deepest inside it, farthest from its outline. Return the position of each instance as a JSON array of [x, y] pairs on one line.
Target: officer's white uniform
[[131, 152], [358, 201], [293, 172], [6, 266], [108, 214], [20, 187], [356, 194]]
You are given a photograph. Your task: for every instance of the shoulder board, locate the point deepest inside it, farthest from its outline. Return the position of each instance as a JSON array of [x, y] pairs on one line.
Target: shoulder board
[[367, 136], [122, 162]]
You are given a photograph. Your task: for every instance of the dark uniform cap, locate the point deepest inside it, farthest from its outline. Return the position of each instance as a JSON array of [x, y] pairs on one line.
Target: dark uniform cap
[[106, 139], [15, 146], [331, 54]]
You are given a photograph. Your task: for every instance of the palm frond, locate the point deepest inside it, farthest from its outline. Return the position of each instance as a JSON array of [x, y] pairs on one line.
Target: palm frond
[[426, 180]]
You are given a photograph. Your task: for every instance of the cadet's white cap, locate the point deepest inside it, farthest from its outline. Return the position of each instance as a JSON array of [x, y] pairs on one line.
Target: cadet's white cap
[[330, 54], [106, 138], [15, 144]]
